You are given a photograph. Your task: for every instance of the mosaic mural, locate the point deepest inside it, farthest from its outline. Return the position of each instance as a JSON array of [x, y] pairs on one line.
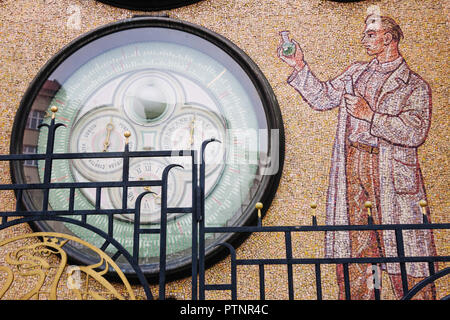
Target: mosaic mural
[[383, 80], [384, 117]]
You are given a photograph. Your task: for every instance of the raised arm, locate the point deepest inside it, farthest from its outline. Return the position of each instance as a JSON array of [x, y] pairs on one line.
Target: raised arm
[[320, 95]]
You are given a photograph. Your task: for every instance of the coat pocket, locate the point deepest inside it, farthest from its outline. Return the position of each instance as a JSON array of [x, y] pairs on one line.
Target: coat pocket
[[405, 172]]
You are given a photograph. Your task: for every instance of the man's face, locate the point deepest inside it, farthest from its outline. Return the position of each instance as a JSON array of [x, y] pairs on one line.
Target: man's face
[[374, 39]]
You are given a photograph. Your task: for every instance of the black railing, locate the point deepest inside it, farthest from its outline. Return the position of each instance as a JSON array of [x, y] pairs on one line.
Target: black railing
[[199, 230], [71, 215], [289, 260]]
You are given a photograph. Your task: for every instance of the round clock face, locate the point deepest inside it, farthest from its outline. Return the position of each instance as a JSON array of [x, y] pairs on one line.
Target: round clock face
[[148, 5], [172, 85]]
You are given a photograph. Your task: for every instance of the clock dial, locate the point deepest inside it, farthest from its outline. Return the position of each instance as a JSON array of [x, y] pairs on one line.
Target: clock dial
[[149, 97], [187, 131], [144, 170], [172, 85], [100, 130]]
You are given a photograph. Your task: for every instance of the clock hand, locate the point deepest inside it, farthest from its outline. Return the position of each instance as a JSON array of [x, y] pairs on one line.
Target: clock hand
[[109, 128], [192, 126], [155, 195]]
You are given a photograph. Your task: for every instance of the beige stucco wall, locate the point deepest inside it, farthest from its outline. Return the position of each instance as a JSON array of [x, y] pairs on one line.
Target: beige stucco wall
[[31, 31]]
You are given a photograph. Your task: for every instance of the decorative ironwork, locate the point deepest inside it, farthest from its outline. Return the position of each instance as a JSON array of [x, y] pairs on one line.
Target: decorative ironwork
[[34, 260], [29, 259], [72, 215], [289, 260]]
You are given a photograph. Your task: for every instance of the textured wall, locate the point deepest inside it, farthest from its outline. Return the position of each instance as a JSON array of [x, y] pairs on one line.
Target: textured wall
[[31, 31]]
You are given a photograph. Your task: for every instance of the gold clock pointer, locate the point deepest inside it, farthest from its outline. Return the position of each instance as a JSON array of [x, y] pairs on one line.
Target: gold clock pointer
[[192, 126], [109, 128], [155, 195]]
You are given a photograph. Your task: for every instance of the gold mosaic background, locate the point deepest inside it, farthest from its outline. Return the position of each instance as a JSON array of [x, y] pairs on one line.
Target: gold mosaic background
[[32, 31]]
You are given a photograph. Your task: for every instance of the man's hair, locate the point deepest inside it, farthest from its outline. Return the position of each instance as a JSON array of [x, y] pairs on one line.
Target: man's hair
[[388, 24]]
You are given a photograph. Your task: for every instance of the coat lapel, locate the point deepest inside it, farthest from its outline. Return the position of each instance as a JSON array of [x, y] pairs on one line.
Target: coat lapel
[[358, 72], [398, 77]]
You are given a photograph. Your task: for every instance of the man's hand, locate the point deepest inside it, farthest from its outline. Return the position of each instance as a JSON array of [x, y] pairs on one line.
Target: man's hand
[[358, 107], [296, 61]]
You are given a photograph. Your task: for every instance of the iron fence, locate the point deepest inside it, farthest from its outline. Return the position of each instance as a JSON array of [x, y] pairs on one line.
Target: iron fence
[[200, 231]]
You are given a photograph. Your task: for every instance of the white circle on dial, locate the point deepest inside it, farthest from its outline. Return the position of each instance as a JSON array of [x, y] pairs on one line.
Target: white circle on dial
[[100, 130], [148, 97], [188, 130]]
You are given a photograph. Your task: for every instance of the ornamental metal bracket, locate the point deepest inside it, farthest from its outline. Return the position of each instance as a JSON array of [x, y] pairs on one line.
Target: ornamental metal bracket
[[35, 267]]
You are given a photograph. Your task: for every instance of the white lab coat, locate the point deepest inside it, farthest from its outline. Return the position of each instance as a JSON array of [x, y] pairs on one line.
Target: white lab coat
[[401, 123]]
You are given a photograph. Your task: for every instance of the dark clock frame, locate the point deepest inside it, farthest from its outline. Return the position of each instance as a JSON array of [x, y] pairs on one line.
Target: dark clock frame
[[148, 5], [265, 193]]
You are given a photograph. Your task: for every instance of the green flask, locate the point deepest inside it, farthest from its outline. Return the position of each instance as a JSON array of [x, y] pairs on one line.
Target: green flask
[[288, 46]]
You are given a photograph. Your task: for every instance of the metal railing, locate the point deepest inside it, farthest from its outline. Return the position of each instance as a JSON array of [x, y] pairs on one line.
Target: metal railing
[[71, 215], [289, 261], [199, 230]]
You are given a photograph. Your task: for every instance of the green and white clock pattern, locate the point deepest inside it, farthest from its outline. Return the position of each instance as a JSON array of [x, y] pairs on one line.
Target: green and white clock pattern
[[187, 91]]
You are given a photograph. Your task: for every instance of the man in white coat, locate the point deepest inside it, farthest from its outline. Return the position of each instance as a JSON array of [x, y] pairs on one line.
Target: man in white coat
[[384, 116]]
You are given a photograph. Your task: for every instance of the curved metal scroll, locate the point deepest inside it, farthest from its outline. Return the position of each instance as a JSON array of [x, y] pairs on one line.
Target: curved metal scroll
[[44, 264], [422, 284]]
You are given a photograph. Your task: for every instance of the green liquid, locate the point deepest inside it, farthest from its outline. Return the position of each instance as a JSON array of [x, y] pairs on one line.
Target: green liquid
[[288, 49]]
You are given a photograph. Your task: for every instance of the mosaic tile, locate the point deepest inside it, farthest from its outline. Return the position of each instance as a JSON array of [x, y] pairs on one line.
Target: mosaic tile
[[329, 32]]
